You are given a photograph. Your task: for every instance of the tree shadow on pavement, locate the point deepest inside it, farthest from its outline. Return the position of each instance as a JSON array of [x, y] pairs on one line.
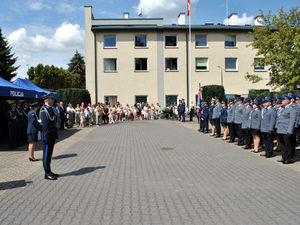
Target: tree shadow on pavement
[[13, 184], [64, 156], [82, 171]]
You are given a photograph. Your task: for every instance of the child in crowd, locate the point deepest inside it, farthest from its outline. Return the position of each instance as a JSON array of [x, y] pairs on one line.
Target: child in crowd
[[126, 114], [82, 118], [152, 113], [111, 116]]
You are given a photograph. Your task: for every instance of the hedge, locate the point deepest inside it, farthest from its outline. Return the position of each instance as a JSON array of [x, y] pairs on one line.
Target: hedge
[[74, 96], [211, 91]]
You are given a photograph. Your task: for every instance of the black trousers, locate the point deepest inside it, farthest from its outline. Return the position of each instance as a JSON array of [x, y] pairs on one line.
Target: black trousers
[[268, 141], [232, 131], [47, 154], [247, 137], [12, 133], [218, 127], [238, 129], [294, 140], [286, 146]]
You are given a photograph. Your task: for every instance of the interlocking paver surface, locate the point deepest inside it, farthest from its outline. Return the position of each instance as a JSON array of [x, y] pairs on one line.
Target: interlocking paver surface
[[120, 175]]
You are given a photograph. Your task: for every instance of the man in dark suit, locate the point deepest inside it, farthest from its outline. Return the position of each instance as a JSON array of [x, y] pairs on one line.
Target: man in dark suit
[[62, 115], [49, 135], [183, 110]]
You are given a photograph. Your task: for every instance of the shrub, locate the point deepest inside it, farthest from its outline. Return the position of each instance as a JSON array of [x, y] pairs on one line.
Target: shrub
[[74, 96], [211, 91]]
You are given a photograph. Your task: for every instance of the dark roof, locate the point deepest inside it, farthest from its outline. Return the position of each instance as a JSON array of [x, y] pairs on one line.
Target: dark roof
[[173, 27]]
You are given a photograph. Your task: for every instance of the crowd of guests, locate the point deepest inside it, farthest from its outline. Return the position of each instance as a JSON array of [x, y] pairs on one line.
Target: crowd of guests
[[253, 121]]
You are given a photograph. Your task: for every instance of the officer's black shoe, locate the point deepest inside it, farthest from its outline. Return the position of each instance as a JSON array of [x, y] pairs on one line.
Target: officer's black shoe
[[230, 141], [217, 136], [280, 160], [50, 177], [247, 147], [287, 162], [269, 156], [206, 131], [54, 174], [199, 130], [263, 154], [12, 147]]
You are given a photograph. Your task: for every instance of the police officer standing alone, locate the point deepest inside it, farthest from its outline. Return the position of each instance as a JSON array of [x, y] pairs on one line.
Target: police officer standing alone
[[49, 135], [285, 125]]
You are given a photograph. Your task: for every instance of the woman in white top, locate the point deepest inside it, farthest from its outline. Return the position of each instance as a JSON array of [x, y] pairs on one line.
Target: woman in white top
[[70, 114], [146, 112]]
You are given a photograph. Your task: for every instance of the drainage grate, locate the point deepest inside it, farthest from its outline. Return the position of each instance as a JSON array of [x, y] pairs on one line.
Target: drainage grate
[[167, 148]]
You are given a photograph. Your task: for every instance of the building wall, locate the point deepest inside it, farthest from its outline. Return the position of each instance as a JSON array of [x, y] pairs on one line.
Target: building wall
[[157, 82]]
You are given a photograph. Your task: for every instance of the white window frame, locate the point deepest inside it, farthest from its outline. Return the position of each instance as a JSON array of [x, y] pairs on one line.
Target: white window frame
[[108, 47], [199, 70], [171, 70], [110, 71], [261, 69], [146, 41], [135, 70], [206, 46], [171, 35], [236, 65], [235, 41]]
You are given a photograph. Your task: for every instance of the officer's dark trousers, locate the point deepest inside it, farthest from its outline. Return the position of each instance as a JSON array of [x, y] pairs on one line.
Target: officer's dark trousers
[[19, 135], [268, 141], [205, 123], [24, 135], [286, 147], [218, 127], [47, 154], [183, 117], [294, 140], [62, 122], [232, 131], [238, 129], [247, 137], [12, 137]]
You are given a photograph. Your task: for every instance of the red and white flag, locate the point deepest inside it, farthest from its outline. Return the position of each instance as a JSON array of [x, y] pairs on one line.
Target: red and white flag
[[188, 7]]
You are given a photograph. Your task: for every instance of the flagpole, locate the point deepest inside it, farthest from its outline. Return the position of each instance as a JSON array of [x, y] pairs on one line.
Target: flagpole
[[190, 56]]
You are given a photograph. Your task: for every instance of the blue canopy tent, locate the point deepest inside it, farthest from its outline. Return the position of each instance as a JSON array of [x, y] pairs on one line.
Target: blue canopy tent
[[24, 83], [8, 89]]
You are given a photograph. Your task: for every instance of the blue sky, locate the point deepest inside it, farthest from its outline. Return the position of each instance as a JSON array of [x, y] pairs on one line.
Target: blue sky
[[49, 32]]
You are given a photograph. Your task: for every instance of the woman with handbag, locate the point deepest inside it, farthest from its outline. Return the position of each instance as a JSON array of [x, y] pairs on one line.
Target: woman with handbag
[[32, 130]]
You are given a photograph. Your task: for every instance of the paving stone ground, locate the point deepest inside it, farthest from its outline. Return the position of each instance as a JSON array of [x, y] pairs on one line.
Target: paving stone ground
[[119, 174]]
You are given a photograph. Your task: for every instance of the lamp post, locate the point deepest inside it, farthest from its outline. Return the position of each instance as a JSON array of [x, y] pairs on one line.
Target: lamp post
[[221, 74]]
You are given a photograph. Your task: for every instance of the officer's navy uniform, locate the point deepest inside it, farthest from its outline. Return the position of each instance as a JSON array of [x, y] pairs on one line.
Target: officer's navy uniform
[[246, 126], [238, 123], [230, 122], [183, 111], [285, 125], [216, 118], [267, 129], [295, 106], [32, 128], [255, 121], [223, 116], [11, 117], [203, 116], [49, 135], [179, 110]]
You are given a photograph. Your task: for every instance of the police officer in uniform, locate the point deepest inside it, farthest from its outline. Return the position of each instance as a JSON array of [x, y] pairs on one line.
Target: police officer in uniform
[[239, 109], [183, 110], [246, 123], [25, 111], [268, 120], [230, 120], [295, 106], [32, 130], [20, 123], [285, 126], [49, 135], [11, 117], [204, 116], [216, 116], [179, 109]]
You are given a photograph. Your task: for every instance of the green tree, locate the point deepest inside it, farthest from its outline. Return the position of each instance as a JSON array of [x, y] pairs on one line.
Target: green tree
[[278, 41], [51, 77], [77, 65], [7, 60]]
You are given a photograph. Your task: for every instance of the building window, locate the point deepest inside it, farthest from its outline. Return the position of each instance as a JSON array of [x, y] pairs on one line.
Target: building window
[[141, 98], [201, 40], [141, 64], [110, 41], [171, 64], [171, 41], [230, 41], [140, 41], [231, 64], [257, 67], [201, 64], [110, 65], [171, 99]]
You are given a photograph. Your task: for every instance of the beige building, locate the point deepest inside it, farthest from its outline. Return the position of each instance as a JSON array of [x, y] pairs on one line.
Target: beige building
[[130, 60]]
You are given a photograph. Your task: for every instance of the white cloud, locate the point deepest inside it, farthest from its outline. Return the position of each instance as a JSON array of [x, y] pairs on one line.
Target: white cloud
[[57, 48], [35, 5], [243, 20], [66, 8], [167, 9]]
